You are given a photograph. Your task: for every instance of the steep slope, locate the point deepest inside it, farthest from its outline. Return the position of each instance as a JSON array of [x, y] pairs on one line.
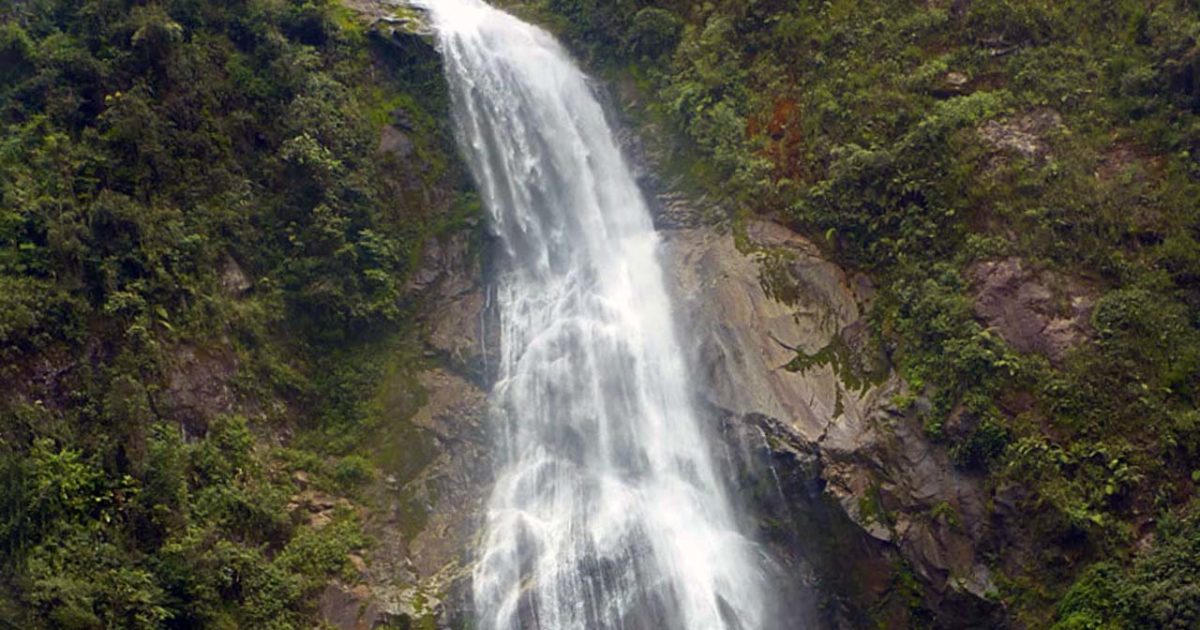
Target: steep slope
[[1018, 182], [863, 510], [229, 234]]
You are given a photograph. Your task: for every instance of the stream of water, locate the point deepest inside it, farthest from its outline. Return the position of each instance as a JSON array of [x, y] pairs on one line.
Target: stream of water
[[608, 511]]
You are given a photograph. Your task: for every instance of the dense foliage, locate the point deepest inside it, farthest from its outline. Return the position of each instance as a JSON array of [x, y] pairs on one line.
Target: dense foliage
[[191, 199], [1159, 590], [916, 140]]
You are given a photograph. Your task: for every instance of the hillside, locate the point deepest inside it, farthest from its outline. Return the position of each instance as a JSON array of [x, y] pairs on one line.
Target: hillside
[[1020, 180], [211, 218], [245, 324]]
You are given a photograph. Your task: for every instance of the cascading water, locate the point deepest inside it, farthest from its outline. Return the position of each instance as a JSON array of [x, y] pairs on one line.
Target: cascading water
[[607, 511]]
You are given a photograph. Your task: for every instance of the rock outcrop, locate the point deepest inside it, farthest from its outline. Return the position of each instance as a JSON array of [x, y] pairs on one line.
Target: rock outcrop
[[802, 386], [199, 386], [1033, 310], [744, 341], [1026, 134], [459, 325], [427, 508], [419, 571]]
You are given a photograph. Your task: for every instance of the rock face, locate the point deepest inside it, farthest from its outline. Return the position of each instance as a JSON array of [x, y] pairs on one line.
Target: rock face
[[1033, 310], [426, 509], [420, 570], [461, 328], [745, 341], [436, 457], [199, 386], [394, 141], [233, 279], [1025, 134], [800, 389]]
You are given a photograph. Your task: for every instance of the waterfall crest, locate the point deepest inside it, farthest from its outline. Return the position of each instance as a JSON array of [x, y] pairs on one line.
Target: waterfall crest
[[607, 510]]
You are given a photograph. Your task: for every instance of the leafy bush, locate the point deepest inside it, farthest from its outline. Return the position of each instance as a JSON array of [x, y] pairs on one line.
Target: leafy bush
[[654, 33], [352, 470], [1159, 589]]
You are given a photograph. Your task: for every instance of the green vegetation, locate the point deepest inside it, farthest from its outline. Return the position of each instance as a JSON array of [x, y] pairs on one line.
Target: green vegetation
[[1159, 589], [191, 199], [917, 139], [202, 261]]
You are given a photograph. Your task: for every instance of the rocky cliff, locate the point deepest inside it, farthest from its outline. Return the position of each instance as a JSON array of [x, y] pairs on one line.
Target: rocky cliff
[[432, 447], [844, 468], [844, 481], [845, 487]]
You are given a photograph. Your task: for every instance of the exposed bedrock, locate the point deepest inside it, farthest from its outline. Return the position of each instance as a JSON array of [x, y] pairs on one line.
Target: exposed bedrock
[[846, 488], [433, 445], [437, 459]]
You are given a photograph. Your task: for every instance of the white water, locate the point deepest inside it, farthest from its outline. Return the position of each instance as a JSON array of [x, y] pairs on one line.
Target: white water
[[607, 511]]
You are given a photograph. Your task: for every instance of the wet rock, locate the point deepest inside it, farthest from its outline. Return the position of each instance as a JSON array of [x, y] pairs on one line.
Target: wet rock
[[674, 211], [426, 532], [821, 295], [1033, 310], [455, 482], [462, 327], [649, 152], [804, 387], [888, 476], [438, 467], [744, 342]]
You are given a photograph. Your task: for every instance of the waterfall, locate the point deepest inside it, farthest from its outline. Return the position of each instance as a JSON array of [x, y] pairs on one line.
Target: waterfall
[[607, 510]]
